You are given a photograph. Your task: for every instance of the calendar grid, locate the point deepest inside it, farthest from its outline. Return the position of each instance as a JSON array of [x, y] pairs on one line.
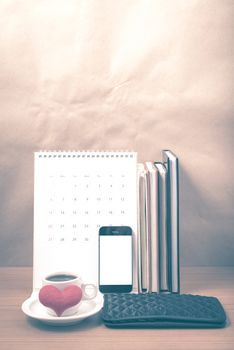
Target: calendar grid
[[75, 193]]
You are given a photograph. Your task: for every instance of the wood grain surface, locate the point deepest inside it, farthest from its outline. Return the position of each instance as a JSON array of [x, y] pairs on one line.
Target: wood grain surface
[[20, 332]]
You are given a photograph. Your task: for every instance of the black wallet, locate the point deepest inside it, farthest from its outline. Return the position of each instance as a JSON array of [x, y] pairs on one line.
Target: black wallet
[[152, 310]]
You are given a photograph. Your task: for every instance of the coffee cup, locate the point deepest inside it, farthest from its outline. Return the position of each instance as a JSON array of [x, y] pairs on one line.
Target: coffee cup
[[58, 304]]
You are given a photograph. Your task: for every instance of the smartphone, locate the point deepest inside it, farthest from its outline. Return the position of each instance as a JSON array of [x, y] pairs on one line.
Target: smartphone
[[115, 259]]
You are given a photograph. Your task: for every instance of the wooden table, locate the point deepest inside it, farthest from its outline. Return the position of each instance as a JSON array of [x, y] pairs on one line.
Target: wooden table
[[19, 332]]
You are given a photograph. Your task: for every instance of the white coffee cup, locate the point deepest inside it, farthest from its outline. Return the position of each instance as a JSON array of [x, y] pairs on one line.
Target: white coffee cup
[[62, 280]]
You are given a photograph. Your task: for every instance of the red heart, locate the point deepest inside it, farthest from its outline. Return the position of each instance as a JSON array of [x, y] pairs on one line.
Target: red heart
[[60, 300]]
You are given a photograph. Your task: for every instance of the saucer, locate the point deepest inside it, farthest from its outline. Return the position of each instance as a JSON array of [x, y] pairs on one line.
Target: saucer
[[34, 309]]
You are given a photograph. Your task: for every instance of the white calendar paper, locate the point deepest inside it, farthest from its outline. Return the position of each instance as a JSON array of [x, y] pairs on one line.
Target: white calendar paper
[[75, 193]]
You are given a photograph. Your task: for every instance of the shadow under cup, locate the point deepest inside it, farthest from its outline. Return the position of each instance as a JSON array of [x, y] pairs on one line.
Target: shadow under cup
[[63, 280]]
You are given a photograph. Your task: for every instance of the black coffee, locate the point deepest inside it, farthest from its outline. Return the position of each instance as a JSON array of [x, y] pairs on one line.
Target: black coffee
[[61, 278]]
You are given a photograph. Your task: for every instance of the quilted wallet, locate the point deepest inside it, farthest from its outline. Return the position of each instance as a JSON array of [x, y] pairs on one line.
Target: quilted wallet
[[154, 310]]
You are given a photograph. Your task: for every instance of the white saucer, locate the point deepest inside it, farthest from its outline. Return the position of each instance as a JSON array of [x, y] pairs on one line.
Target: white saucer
[[34, 309]]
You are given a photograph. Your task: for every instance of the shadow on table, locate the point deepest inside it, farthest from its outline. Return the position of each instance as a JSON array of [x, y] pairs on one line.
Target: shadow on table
[[89, 323]]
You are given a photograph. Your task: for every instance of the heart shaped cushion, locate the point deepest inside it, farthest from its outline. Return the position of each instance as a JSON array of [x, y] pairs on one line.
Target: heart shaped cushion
[[60, 300]]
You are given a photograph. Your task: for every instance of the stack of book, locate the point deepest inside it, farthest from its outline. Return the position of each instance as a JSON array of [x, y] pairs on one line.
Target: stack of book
[[158, 226]]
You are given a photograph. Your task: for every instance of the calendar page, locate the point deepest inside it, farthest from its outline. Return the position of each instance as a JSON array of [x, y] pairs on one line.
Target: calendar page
[[75, 193]]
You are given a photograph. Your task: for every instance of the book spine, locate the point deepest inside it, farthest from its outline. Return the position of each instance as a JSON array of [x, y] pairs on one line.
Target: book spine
[[163, 239], [143, 242], [155, 271], [173, 219], [148, 236], [153, 232]]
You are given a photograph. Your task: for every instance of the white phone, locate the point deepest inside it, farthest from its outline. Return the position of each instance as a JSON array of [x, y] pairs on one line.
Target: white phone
[[115, 259]]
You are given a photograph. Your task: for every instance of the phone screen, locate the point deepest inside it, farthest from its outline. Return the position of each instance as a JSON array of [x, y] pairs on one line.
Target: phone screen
[[115, 259]]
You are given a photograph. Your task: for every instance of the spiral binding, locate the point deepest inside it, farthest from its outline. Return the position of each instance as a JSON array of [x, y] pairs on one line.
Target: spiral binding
[[85, 154]]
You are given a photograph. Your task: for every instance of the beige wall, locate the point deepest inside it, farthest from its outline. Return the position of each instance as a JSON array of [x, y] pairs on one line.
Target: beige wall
[[141, 75]]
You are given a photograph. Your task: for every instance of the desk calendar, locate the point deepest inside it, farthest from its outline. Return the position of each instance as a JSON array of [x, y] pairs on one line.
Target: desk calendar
[[75, 193]]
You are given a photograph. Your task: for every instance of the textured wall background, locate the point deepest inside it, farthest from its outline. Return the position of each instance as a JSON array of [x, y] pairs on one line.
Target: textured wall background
[[142, 75]]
